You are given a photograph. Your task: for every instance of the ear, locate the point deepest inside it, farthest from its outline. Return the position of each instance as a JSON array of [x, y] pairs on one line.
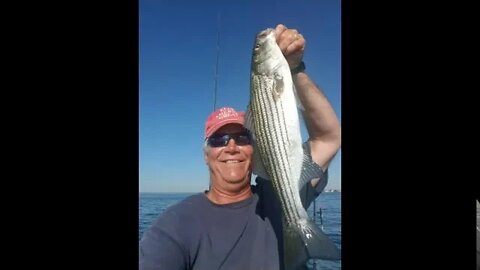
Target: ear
[[205, 156]]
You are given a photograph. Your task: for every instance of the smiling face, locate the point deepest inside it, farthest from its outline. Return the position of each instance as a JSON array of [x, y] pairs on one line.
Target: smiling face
[[231, 165]]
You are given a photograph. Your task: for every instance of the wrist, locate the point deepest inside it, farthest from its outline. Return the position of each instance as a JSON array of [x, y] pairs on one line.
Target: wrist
[[298, 69]]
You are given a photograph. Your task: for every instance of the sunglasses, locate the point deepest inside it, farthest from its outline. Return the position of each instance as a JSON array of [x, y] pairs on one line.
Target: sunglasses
[[220, 140]]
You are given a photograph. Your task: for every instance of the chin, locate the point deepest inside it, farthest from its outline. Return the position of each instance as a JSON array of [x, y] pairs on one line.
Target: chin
[[235, 180]]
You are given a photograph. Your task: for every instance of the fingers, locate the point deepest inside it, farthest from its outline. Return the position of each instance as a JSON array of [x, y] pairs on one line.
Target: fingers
[[279, 30], [289, 40], [297, 46], [291, 43]]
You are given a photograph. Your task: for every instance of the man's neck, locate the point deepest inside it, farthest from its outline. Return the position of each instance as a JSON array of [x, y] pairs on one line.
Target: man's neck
[[219, 196]]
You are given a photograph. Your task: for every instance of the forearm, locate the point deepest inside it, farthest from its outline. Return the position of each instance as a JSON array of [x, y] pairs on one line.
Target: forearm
[[320, 119]]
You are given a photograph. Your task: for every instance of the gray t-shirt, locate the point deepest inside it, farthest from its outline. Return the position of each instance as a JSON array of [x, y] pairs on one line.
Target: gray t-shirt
[[200, 235]]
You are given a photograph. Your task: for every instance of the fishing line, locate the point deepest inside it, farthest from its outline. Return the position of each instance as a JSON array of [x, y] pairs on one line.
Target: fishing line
[[216, 73], [216, 64]]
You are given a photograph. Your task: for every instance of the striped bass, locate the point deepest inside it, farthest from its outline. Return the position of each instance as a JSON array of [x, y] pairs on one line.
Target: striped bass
[[272, 117]]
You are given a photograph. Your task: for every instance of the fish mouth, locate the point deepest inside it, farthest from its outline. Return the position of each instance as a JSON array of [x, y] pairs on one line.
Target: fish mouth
[[263, 34], [260, 40]]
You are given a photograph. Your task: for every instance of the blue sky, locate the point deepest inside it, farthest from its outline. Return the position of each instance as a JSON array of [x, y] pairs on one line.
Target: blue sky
[[177, 56]]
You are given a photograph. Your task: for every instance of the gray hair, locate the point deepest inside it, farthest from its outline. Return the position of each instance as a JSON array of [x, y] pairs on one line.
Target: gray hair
[[205, 146]]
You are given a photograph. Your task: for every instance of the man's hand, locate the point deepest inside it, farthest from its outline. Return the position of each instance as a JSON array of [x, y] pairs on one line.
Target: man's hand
[[291, 43]]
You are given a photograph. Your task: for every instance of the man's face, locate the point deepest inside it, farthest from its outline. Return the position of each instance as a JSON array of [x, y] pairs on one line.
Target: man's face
[[230, 164]]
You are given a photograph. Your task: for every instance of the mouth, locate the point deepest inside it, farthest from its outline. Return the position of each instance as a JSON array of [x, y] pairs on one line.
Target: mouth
[[232, 161]]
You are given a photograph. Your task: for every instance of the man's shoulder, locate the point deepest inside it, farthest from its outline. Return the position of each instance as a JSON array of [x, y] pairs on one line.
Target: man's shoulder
[[188, 206], [177, 224], [179, 215]]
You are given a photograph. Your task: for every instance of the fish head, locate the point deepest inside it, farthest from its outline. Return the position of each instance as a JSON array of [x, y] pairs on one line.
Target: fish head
[[267, 56], [263, 37]]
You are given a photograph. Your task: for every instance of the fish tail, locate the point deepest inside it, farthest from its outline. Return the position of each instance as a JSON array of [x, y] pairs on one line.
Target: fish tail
[[306, 241]]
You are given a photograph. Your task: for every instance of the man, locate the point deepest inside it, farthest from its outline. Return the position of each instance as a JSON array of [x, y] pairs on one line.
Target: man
[[235, 225]]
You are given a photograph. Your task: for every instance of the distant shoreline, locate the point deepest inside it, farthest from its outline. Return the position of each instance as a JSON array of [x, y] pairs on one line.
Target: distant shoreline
[[332, 190]]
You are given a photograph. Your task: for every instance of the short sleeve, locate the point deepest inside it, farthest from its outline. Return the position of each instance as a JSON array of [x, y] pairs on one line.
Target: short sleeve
[[307, 192]]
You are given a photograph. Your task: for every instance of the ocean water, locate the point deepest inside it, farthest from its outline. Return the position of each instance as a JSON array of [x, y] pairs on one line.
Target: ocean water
[[327, 215]]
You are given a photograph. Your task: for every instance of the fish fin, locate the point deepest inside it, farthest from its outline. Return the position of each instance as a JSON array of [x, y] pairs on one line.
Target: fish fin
[[310, 169], [297, 99], [249, 121], [306, 241], [258, 167], [278, 86]]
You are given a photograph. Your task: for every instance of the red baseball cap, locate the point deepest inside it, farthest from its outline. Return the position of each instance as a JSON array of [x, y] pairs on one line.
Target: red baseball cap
[[222, 117]]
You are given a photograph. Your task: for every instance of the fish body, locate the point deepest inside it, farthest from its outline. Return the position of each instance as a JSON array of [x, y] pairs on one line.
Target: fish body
[[273, 119]]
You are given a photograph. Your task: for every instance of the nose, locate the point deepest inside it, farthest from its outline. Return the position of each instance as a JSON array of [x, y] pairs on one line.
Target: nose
[[231, 145]]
